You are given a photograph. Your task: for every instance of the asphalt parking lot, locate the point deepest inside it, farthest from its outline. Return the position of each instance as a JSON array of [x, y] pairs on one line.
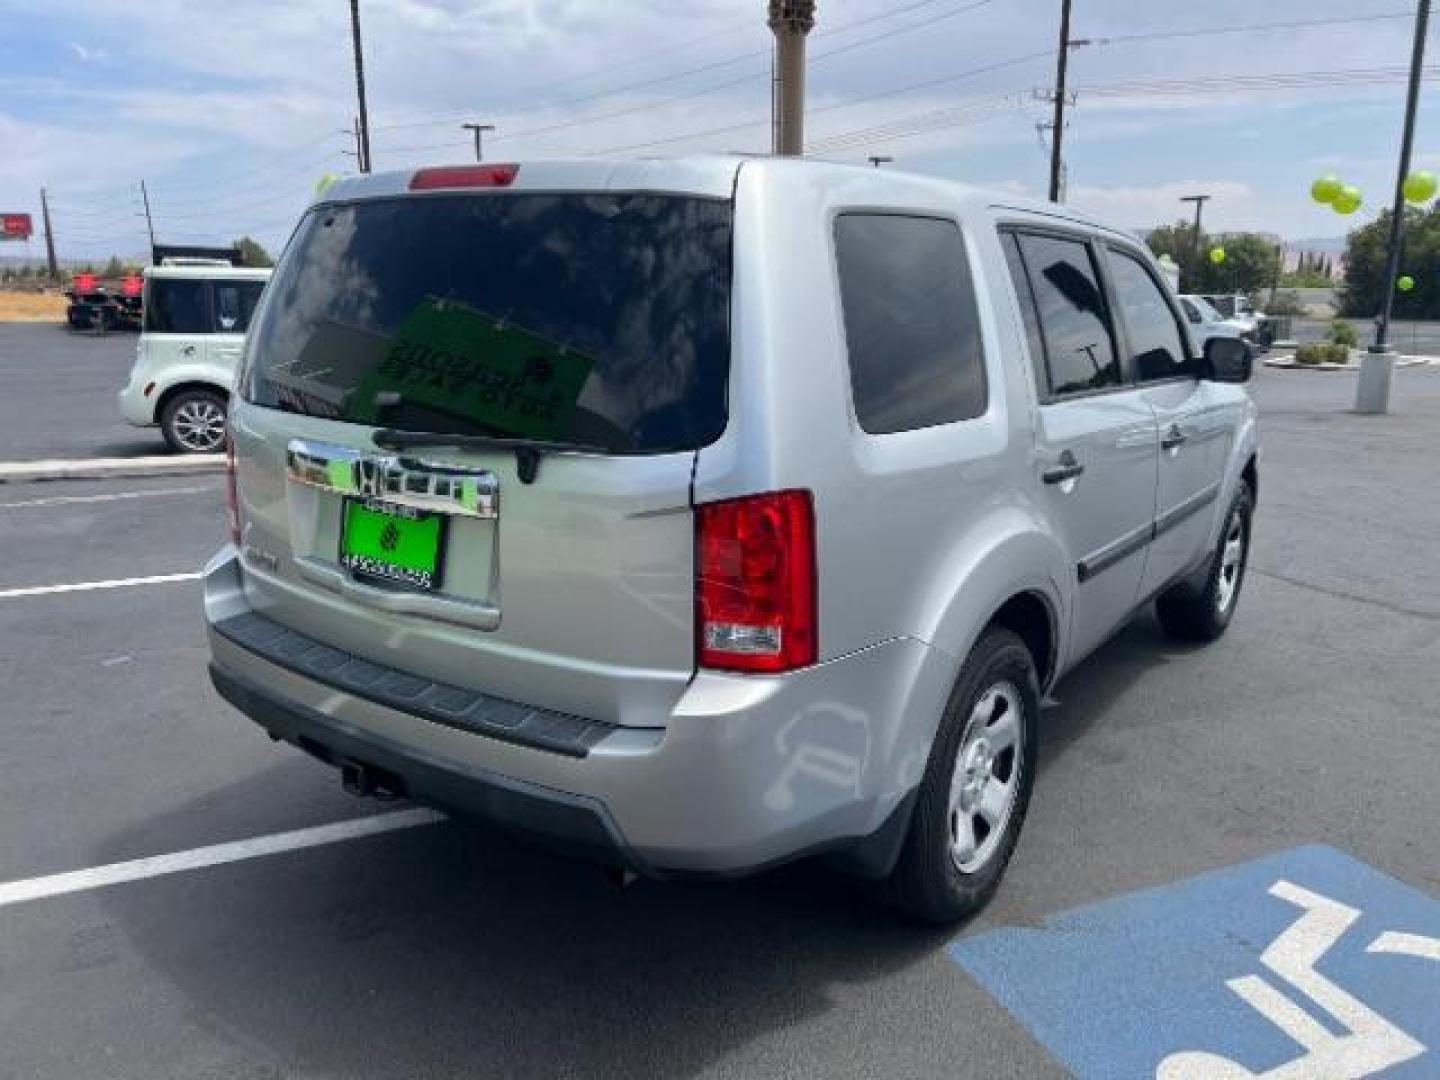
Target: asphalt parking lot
[[441, 950]]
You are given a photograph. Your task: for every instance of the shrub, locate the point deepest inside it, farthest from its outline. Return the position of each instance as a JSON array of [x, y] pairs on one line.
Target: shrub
[[1286, 305], [1343, 333], [1321, 352]]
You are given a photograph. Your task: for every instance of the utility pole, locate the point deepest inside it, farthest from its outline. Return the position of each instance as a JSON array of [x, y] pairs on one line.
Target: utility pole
[[149, 224], [790, 21], [1193, 276], [1062, 65], [479, 130], [880, 159], [360, 162], [360, 86], [49, 237], [1372, 391]]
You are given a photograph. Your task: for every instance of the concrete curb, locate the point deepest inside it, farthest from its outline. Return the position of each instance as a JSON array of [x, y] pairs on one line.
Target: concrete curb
[[14, 472]]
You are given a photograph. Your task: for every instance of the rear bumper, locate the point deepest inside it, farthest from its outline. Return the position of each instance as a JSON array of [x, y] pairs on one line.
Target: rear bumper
[[748, 771], [135, 407]]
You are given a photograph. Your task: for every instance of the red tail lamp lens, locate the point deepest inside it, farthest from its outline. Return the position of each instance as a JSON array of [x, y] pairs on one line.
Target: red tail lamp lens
[[755, 582]]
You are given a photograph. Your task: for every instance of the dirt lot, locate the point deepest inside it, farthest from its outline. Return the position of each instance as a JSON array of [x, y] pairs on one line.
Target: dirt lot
[[31, 307]]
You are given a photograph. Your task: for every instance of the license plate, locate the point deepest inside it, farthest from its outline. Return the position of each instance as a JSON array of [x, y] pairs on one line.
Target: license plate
[[393, 543]]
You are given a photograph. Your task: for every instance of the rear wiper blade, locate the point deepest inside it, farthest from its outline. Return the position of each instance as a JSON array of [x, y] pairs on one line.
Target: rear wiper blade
[[527, 451]]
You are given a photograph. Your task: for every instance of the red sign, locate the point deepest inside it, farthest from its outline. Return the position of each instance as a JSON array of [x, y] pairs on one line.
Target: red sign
[[133, 285], [84, 282], [15, 227]]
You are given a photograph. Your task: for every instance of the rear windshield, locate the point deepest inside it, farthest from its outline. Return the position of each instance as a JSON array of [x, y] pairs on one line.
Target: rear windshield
[[600, 319]]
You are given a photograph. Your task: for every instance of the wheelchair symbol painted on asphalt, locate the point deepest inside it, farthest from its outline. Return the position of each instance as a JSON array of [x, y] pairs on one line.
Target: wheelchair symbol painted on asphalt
[[1370, 1044], [1304, 964]]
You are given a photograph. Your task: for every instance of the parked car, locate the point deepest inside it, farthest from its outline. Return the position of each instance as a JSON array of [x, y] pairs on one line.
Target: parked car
[[700, 515], [1206, 323], [94, 309], [195, 319], [1236, 309]]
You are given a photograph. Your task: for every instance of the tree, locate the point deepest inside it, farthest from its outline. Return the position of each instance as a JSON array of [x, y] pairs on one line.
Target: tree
[[1365, 267], [1251, 261], [253, 253], [113, 269]]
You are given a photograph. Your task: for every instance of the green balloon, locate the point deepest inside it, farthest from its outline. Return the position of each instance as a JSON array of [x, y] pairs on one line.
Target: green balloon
[[323, 184], [1217, 255], [1325, 189], [1420, 187], [1406, 283], [1349, 200]]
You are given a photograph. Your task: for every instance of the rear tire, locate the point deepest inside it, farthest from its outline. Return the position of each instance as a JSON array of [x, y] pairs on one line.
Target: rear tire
[[193, 421], [1192, 612], [976, 790]]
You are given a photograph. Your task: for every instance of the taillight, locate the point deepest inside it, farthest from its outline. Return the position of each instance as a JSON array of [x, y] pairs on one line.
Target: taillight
[[755, 589], [464, 176], [232, 494]]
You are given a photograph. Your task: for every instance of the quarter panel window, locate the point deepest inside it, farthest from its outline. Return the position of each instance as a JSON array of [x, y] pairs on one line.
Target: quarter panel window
[[912, 329], [234, 304], [1156, 344], [1079, 343], [1016, 262]]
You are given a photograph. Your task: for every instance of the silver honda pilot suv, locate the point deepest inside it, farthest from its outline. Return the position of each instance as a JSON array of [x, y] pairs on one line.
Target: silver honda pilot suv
[[699, 515]]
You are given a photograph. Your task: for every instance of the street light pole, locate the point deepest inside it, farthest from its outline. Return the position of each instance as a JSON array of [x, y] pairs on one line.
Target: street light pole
[[1372, 391], [479, 130], [790, 21], [360, 86], [1199, 201]]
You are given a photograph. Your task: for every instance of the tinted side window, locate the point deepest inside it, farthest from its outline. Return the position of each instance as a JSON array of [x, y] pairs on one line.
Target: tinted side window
[[234, 304], [1079, 345], [1156, 344], [911, 325], [1011, 243], [1191, 312], [178, 307]]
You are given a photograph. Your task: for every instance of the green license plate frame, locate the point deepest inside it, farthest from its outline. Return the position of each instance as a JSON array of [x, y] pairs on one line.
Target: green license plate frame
[[397, 545]]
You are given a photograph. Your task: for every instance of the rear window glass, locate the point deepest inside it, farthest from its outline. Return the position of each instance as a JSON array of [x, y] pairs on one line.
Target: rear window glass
[[177, 306], [600, 319], [911, 326]]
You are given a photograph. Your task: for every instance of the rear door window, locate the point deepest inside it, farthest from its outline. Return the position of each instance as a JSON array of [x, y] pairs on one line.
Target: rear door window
[[177, 306], [1080, 351], [911, 325], [1157, 345], [600, 319], [234, 305]]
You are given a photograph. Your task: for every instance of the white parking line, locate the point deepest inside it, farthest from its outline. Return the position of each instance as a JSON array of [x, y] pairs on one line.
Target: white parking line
[[88, 586], [100, 877], [112, 496]]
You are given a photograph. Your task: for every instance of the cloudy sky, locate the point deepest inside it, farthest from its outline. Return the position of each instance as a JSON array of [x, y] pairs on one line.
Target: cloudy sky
[[231, 111]]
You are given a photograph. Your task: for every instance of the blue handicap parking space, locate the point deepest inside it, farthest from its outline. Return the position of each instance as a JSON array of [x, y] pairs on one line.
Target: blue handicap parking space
[[1307, 963]]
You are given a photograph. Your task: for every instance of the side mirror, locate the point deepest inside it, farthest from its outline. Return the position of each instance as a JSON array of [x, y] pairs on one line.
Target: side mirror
[[1229, 360]]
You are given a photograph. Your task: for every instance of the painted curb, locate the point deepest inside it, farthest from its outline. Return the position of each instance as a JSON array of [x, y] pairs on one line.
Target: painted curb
[[12, 472]]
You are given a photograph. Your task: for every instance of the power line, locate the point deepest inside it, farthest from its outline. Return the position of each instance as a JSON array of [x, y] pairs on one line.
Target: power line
[[761, 54], [1252, 28], [716, 87]]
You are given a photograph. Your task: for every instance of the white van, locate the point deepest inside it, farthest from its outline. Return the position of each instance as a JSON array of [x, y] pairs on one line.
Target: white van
[[192, 335]]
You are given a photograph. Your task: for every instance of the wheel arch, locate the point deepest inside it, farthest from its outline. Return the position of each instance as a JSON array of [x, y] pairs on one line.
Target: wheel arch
[[171, 392]]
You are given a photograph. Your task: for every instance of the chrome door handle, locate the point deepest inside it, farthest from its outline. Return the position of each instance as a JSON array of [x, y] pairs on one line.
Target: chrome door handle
[[1173, 439], [1067, 469]]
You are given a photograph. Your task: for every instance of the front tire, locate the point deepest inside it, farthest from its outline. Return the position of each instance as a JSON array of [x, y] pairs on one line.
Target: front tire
[[976, 790], [193, 422], [1202, 613]]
